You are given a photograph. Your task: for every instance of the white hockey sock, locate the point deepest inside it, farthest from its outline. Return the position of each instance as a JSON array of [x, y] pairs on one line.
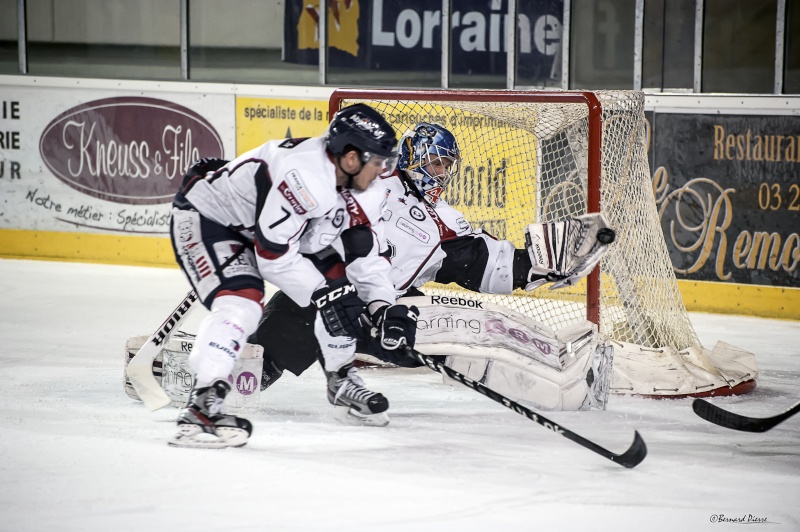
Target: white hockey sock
[[222, 335], [337, 351]]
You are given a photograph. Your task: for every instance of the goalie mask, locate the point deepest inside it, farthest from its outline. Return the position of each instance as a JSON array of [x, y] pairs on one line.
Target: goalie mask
[[430, 157]]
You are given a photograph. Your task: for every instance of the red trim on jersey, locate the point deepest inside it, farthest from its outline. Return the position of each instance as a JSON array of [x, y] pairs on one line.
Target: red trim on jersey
[[279, 250], [393, 174], [445, 233], [356, 212], [253, 294], [189, 183], [337, 271], [267, 254]]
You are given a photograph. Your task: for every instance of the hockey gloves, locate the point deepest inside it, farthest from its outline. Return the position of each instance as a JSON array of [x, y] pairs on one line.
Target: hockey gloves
[[393, 326], [340, 308], [565, 252]]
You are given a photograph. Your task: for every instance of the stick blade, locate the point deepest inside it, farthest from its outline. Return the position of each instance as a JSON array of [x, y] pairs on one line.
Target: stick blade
[[635, 453], [729, 420], [140, 368], [140, 373]]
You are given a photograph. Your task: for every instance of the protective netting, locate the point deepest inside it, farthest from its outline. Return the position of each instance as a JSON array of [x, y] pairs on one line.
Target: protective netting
[[525, 162]]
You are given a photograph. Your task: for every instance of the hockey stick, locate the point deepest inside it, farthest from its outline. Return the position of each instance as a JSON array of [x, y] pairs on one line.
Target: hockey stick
[[630, 458], [140, 367], [729, 420]]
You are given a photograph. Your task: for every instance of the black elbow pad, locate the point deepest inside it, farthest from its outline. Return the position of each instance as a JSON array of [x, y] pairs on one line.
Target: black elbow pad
[[465, 264], [358, 242]]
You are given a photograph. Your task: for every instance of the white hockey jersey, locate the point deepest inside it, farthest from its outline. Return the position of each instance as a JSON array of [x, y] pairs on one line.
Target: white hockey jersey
[[414, 233], [283, 195]]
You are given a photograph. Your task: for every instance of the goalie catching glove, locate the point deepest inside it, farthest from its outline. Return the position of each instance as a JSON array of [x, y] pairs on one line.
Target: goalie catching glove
[[565, 252]]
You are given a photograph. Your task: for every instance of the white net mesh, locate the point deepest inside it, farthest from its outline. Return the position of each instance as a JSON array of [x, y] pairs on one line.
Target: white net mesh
[[525, 162]]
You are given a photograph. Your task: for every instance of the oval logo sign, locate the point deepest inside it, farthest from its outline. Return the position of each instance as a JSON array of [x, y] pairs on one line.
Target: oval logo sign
[[129, 150]]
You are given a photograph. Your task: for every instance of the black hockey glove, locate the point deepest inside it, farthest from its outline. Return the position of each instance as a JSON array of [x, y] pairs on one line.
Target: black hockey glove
[[397, 357], [340, 308], [394, 326]]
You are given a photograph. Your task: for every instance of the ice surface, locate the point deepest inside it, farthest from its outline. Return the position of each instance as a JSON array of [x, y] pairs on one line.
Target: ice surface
[[77, 454]]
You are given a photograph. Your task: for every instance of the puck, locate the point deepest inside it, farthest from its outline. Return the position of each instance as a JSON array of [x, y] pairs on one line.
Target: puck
[[606, 235]]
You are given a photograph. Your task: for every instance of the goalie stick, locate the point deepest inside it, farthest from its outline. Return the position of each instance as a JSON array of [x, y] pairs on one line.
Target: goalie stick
[[630, 458], [729, 420], [140, 367]]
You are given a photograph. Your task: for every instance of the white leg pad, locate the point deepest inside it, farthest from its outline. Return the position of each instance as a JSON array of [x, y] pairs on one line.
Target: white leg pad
[[541, 388], [545, 387]]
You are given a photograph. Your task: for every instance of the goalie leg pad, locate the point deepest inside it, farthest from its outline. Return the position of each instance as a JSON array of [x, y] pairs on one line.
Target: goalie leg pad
[[599, 376], [544, 388], [582, 380]]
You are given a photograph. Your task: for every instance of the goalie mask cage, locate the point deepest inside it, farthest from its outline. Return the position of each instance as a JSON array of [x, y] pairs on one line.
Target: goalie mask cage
[[530, 156]]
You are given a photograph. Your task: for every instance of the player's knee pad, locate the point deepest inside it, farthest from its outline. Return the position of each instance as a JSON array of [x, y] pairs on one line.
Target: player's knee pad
[[221, 337], [240, 311], [357, 242]]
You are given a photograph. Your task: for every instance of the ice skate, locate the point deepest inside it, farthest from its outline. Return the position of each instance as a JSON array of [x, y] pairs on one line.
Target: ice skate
[[202, 423], [353, 403]]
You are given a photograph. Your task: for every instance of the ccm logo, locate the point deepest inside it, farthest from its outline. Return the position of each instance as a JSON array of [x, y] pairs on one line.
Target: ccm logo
[[334, 294], [498, 327]]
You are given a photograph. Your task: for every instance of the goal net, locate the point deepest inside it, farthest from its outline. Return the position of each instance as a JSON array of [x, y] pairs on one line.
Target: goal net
[[544, 156]]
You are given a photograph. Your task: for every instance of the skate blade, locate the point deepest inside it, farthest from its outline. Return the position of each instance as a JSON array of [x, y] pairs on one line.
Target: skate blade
[[193, 436], [350, 416]]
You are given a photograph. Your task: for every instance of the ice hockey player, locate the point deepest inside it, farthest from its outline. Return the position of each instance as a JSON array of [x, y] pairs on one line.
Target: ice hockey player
[[255, 208], [428, 240]]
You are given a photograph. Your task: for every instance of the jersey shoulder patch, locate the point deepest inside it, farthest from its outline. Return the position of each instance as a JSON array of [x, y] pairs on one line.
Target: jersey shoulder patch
[[299, 190], [453, 218], [291, 143]]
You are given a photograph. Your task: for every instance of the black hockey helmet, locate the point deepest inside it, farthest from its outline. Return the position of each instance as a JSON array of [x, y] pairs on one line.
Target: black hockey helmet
[[362, 127]]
